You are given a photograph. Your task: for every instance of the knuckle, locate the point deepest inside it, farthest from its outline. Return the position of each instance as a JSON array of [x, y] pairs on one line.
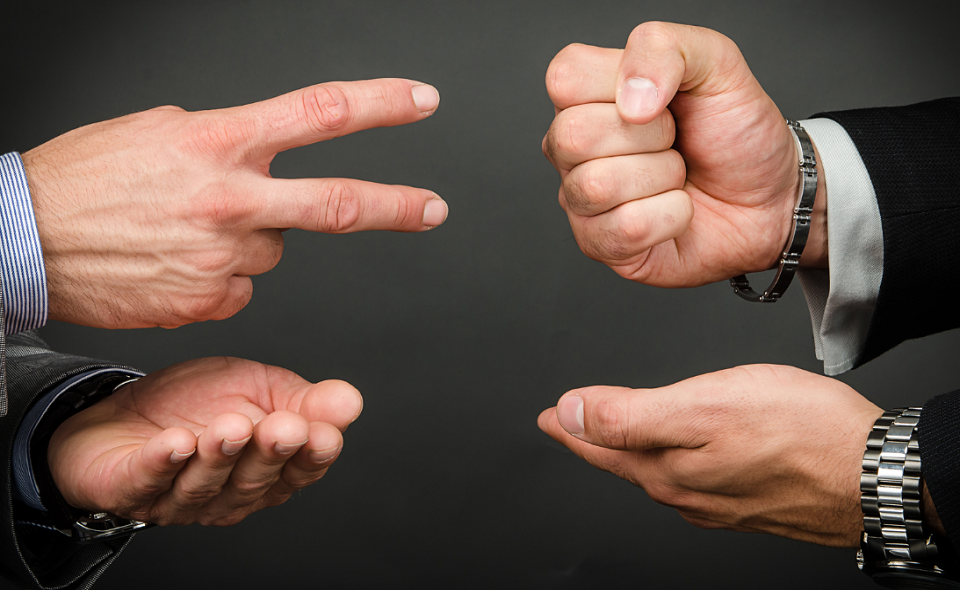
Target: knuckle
[[274, 251], [203, 305], [212, 262], [559, 80], [572, 135], [609, 426], [220, 138], [325, 108], [549, 144], [248, 490], [653, 34], [590, 185], [602, 245], [730, 58], [148, 485], [633, 228], [235, 301], [266, 252], [340, 209], [218, 207], [195, 497]]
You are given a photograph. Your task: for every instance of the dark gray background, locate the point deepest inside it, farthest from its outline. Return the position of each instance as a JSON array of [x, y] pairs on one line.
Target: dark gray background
[[458, 338]]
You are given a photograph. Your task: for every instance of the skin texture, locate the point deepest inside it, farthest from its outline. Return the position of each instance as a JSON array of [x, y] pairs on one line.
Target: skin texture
[[160, 218], [698, 188], [758, 448], [206, 441]]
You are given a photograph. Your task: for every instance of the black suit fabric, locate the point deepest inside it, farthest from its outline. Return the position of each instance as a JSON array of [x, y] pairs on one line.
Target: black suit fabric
[[35, 557], [912, 154]]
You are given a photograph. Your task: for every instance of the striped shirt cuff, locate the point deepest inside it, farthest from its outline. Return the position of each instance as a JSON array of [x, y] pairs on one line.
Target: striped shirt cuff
[[24, 279]]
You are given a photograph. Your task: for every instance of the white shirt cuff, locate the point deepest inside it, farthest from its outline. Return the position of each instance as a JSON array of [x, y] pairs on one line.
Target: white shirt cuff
[[841, 300]]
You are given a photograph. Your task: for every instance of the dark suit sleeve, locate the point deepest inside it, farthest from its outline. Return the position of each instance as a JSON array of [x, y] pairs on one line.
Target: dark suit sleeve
[[912, 154], [31, 556], [939, 438]]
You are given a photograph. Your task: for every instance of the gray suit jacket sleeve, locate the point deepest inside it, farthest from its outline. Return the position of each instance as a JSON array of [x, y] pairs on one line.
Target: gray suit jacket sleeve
[[30, 556]]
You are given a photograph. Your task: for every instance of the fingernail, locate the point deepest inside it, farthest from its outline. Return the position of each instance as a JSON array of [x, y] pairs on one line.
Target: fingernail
[[638, 96], [232, 447], [321, 456], [434, 212], [570, 414], [282, 449], [176, 457], [426, 98]]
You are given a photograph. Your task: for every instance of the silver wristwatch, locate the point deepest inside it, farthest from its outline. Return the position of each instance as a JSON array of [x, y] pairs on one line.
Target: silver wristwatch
[[895, 549]]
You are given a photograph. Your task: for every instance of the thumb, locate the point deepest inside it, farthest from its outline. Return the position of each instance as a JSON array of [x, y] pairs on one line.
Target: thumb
[[629, 419], [661, 59]]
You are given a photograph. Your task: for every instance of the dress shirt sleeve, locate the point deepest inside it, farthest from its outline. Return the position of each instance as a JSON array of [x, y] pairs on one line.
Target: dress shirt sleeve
[[913, 157], [842, 298], [24, 279], [25, 487]]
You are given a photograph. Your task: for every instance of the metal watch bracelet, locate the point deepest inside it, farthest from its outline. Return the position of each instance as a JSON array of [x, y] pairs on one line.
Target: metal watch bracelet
[[894, 545], [800, 228]]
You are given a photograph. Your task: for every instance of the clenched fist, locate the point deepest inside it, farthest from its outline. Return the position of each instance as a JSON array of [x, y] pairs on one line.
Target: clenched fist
[[677, 169]]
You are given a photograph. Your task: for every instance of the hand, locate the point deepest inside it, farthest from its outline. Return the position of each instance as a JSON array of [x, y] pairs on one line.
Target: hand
[[161, 217], [757, 448], [677, 168], [206, 441]]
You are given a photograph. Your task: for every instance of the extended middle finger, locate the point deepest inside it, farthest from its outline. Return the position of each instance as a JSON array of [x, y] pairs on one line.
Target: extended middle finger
[[591, 131]]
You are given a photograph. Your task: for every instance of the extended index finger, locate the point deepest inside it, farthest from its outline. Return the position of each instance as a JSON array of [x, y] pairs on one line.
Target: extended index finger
[[583, 74], [334, 109]]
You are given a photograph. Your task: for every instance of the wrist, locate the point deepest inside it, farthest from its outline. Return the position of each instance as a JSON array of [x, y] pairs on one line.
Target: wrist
[[55, 494]]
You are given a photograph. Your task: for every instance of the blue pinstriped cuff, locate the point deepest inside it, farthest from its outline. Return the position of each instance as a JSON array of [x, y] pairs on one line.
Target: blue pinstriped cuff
[[24, 279]]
